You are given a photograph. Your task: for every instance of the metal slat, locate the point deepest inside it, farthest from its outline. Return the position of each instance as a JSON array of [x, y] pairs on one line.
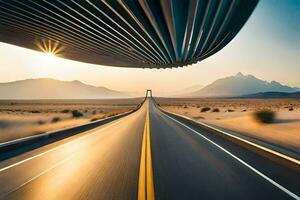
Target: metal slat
[[154, 51], [158, 29], [189, 30], [123, 44], [150, 44], [139, 50], [127, 33], [144, 29], [41, 31], [37, 22]]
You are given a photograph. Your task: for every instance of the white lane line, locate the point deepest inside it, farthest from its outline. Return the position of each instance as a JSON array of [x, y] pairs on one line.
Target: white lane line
[[291, 159], [40, 174], [291, 194], [58, 147]]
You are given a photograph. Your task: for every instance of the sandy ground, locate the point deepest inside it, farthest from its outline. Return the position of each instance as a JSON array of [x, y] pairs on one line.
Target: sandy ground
[[25, 118], [237, 115]]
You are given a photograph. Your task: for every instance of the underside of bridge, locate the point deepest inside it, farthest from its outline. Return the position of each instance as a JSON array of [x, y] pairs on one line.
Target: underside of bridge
[[125, 33]]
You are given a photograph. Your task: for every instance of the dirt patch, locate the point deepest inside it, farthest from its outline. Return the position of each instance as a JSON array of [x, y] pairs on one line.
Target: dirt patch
[[283, 131], [25, 118]]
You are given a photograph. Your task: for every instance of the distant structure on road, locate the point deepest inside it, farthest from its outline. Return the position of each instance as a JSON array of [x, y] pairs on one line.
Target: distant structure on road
[[149, 92], [125, 33]]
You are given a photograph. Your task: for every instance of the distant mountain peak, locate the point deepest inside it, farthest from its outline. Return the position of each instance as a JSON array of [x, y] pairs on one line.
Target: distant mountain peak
[[239, 85], [49, 88], [251, 76], [275, 83], [240, 74], [76, 81]]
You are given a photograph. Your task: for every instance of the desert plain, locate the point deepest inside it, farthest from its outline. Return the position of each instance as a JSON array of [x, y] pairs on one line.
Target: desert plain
[[237, 115], [22, 118]]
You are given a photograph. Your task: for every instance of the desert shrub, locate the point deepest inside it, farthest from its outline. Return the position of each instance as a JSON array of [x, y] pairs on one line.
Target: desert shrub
[[230, 110], [35, 111], [185, 106], [216, 110], [205, 109], [96, 118], [198, 106], [291, 109], [55, 119], [198, 117], [264, 116], [41, 122], [244, 110], [76, 114], [94, 112], [65, 111], [110, 114]]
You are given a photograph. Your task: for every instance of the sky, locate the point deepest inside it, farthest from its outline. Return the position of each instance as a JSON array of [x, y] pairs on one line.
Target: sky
[[268, 47]]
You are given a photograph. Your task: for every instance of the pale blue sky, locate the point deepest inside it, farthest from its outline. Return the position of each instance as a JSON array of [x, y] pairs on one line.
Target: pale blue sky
[[268, 47]]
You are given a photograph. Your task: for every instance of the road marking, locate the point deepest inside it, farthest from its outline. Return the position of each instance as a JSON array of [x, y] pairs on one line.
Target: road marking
[[57, 148], [291, 194], [146, 184], [293, 160]]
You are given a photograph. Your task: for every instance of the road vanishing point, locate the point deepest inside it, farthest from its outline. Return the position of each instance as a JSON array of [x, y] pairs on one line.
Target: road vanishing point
[[147, 154]]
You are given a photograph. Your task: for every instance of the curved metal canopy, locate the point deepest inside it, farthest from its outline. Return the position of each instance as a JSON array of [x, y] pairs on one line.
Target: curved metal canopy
[[125, 33]]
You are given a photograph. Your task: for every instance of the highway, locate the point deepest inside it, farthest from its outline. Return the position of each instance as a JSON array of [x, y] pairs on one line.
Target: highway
[[145, 155]]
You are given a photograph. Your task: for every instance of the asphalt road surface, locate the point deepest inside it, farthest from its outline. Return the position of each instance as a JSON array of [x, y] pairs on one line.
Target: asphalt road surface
[[184, 162]]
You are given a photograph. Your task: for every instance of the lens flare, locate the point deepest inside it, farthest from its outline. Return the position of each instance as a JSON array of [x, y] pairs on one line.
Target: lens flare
[[51, 48]]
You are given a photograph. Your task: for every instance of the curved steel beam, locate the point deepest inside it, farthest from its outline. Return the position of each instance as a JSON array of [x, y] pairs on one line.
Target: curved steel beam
[[125, 33]]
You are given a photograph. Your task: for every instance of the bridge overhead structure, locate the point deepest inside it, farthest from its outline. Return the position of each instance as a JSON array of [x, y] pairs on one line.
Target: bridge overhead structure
[[125, 33]]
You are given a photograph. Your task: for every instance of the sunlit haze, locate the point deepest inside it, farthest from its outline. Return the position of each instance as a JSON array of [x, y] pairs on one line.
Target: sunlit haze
[[268, 47]]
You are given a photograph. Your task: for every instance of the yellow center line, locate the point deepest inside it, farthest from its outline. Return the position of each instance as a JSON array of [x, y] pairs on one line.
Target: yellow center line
[[146, 184]]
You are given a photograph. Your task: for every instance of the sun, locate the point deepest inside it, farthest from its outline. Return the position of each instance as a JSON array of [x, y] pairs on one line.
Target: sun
[[48, 57], [50, 48]]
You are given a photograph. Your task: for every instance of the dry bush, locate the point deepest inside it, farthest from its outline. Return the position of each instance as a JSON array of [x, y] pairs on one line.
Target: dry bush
[[205, 109], [65, 111], [76, 114], [55, 119], [111, 114], [198, 117], [264, 116], [41, 122], [216, 110], [96, 118]]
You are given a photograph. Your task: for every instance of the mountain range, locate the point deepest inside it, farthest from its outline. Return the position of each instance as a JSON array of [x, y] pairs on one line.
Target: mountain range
[[240, 85], [245, 86], [46, 88]]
